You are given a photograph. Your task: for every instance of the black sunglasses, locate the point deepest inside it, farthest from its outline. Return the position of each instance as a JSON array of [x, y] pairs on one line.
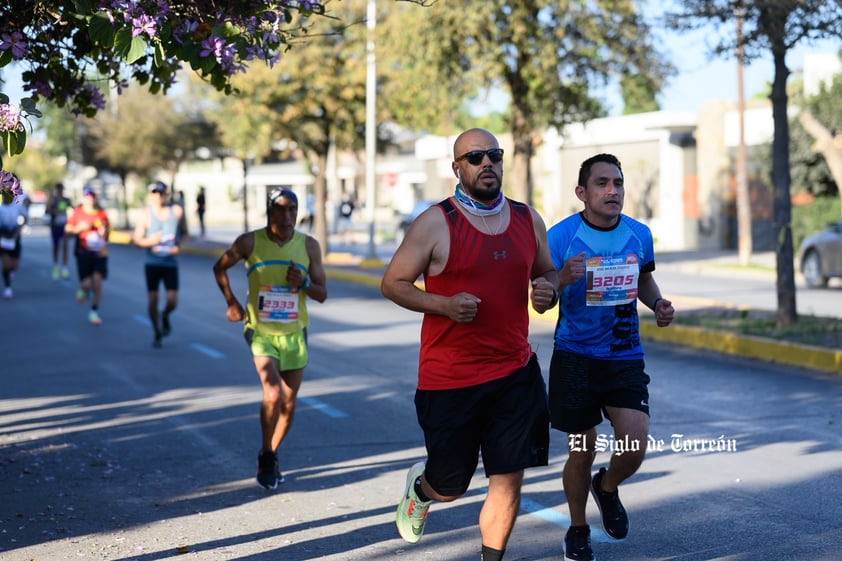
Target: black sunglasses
[[475, 157]]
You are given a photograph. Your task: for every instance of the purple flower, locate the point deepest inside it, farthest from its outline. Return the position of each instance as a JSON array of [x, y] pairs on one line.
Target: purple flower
[[96, 98], [212, 46], [9, 118], [185, 29], [10, 183], [121, 85], [13, 41], [144, 24], [42, 89]]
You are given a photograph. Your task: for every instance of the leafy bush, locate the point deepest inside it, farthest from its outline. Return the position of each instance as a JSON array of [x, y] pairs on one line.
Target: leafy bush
[[812, 217]]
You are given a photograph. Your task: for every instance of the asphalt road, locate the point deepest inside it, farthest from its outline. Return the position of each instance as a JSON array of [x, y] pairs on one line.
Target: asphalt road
[[113, 450]]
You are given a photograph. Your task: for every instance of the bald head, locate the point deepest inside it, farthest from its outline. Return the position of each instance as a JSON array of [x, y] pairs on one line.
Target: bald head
[[473, 139]]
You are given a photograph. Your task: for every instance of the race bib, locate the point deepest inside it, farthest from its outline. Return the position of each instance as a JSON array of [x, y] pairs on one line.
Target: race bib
[[611, 280], [7, 243], [277, 304], [94, 241], [165, 247]]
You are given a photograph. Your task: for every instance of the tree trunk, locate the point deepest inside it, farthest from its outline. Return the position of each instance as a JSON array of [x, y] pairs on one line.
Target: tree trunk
[[319, 206], [519, 171], [787, 312], [521, 188], [123, 202], [744, 243]]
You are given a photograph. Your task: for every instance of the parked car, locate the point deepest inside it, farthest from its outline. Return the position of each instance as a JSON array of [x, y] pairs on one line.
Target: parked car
[[406, 219], [821, 255]]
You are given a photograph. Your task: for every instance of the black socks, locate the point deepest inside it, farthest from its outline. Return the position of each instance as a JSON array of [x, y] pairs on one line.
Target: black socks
[[418, 492], [490, 554]]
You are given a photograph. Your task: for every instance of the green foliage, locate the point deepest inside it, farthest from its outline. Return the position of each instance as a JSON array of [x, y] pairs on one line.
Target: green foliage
[[638, 96], [813, 217], [423, 77], [14, 141], [58, 129], [769, 27], [37, 169], [550, 58], [810, 172], [13, 131], [138, 135], [62, 42], [825, 332]]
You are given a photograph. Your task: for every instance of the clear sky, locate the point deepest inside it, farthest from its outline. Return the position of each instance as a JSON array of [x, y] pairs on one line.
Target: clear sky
[[702, 79]]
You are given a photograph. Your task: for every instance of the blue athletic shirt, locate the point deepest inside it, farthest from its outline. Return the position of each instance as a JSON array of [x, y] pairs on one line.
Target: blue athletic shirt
[[161, 254], [598, 313]]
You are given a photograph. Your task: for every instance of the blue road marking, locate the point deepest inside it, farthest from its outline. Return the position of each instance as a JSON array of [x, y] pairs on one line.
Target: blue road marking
[[549, 515], [142, 319], [552, 516], [207, 351], [323, 407]]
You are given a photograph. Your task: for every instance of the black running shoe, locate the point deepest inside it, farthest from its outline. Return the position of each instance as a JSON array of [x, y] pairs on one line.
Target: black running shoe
[[577, 544], [268, 474], [157, 341], [165, 323], [614, 517]]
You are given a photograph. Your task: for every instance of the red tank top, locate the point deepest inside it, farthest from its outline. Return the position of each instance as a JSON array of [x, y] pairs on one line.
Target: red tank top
[[496, 269]]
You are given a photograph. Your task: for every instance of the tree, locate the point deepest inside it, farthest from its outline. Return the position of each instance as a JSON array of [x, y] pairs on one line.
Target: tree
[[821, 118], [775, 27], [420, 83], [62, 44], [126, 140], [244, 120], [314, 97], [550, 58], [38, 169], [638, 96], [13, 125]]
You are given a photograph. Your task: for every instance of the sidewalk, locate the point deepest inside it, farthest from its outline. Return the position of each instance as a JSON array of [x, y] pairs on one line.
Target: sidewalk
[[352, 262]]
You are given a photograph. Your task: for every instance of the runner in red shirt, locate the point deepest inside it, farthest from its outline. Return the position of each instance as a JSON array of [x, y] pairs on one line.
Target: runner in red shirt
[[480, 388], [89, 224]]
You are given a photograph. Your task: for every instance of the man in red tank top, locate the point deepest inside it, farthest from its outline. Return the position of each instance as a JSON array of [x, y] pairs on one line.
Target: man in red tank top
[[483, 257]]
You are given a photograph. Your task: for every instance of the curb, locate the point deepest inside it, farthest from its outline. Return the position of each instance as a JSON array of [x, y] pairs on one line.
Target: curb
[[780, 352]]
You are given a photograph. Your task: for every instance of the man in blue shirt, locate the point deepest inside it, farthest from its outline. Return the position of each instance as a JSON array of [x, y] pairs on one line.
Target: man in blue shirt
[[161, 229], [605, 261]]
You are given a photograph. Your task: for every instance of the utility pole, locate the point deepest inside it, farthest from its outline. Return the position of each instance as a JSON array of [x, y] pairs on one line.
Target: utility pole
[[371, 134], [744, 241], [245, 194]]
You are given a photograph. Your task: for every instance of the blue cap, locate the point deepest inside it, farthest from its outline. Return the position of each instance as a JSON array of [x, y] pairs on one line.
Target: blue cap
[[157, 187], [282, 193], [88, 190]]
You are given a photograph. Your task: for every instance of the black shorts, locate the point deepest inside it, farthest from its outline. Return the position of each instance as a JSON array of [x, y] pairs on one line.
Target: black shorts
[[157, 273], [57, 233], [505, 419], [581, 388], [89, 262], [14, 253]]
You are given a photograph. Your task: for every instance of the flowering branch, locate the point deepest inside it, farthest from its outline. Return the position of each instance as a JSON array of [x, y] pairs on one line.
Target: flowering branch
[[13, 121], [64, 44]]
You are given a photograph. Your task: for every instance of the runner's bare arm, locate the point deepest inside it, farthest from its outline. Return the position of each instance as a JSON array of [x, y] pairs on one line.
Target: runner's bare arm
[[239, 250], [423, 252]]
